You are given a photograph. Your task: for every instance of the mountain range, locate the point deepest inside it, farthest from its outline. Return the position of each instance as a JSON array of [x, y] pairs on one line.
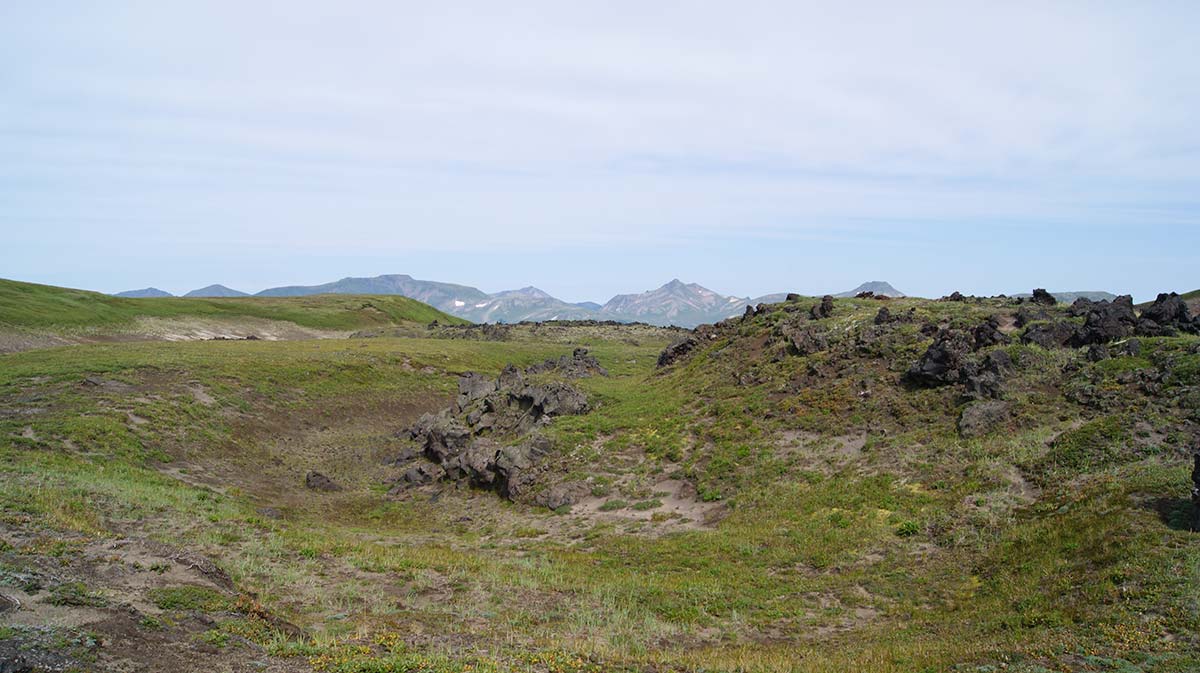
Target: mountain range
[[675, 303]]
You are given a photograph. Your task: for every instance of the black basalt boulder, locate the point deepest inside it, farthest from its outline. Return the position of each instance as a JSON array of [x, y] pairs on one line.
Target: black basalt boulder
[[1043, 298]]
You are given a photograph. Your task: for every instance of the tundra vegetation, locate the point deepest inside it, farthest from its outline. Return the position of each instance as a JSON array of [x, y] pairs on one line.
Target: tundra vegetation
[[852, 484]]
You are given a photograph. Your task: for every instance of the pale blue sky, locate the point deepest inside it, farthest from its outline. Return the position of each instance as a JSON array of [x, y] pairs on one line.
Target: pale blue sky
[[597, 148]]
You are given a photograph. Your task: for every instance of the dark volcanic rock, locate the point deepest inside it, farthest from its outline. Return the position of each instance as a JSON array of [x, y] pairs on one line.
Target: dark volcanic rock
[[1149, 328], [1081, 307], [805, 340], [424, 473], [1026, 315], [954, 296], [986, 379], [988, 333], [1049, 334], [319, 482], [563, 495], [943, 360], [473, 386], [1169, 313], [440, 436], [1043, 298], [885, 317], [950, 360], [980, 418], [553, 399], [1168, 309], [458, 442], [822, 310], [1104, 321], [577, 366], [1132, 347], [1196, 491], [671, 354]]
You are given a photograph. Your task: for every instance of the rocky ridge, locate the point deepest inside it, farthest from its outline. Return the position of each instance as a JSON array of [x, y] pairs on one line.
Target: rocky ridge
[[967, 353]]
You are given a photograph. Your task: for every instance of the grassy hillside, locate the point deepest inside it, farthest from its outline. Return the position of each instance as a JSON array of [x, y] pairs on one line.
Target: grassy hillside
[[28, 305], [859, 527]]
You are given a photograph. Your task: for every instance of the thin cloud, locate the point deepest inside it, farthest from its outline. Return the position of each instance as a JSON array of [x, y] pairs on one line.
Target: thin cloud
[[302, 128]]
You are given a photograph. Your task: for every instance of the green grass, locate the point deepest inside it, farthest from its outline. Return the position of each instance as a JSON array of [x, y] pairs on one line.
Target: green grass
[[1093, 445], [917, 551], [190, 598], [75, 594], [28, 305]]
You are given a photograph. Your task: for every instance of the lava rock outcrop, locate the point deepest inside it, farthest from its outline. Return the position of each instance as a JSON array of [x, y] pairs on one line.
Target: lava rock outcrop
[[676, 351], [822, 310], [951, 359], [1104, 321], [464, 442], [1167, 315], [1043, 298]]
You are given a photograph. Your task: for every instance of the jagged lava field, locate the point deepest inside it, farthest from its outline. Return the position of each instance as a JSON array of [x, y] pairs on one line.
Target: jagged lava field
[[364, 484]]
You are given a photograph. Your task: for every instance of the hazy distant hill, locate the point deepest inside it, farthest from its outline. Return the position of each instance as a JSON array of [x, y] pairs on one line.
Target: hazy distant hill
[[216, 291], [879, 287], [143, 293], [1070, 297]]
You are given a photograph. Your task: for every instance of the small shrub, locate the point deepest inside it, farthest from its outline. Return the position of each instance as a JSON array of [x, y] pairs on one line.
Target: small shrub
[[1092, 445], [646, 505], [215, 637], [75, 594], [908, 529], [613, 505], [190, 598]]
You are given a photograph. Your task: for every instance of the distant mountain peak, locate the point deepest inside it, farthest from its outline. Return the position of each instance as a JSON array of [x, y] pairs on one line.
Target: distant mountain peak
[[879, 287], [216, 290], [144, 293], [675, 303], [532, 291]]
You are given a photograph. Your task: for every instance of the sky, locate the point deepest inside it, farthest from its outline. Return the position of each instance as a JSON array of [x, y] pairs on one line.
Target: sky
[[595, 148]]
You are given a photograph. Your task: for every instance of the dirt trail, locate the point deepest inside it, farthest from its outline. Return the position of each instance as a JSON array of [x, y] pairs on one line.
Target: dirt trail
[[680, 508], [165, 329]]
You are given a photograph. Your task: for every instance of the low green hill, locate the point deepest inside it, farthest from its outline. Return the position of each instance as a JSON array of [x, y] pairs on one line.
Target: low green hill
[[33, 306]]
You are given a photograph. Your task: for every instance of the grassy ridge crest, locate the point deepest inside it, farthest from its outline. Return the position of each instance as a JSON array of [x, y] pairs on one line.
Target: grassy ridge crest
[[30, 305]]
